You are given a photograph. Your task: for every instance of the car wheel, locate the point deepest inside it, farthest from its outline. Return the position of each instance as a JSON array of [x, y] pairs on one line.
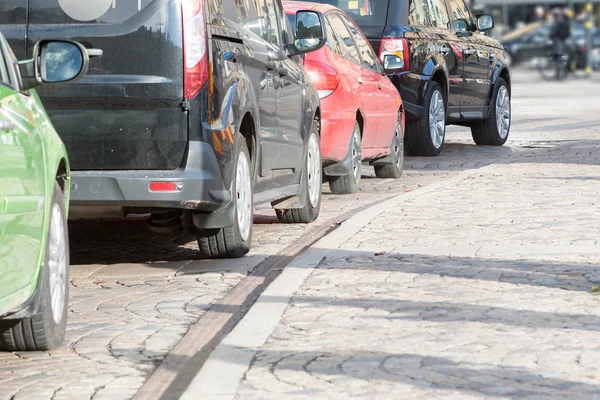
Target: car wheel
[[311, 181], [494, 130], [46, 329], [394, 169], [425, 136], [233, 241], [350, 183]]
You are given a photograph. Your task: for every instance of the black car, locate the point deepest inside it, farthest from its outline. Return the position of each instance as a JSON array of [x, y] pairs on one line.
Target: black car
[[446, 70], [532, 43], [195, 112]]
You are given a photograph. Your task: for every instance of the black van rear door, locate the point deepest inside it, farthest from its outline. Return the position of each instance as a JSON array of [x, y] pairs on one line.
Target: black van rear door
[[13, 24], [126, 113]]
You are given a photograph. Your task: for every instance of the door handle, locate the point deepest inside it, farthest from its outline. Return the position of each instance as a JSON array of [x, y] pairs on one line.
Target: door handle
[[6, 125], [359, 80], [379, 86]]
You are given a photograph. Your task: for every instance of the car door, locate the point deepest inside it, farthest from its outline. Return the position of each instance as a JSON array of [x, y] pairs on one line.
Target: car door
[[21, 179], [386, 98], [13, 24], [476, 58], [257, 37], [433, 43], [367, 85], [290, 105]]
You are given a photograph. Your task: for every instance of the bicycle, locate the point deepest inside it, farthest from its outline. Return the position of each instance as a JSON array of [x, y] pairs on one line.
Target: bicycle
[[573, 64]]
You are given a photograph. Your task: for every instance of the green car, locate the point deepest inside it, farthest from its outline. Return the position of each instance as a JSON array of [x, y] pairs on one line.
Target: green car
[[34, 196]]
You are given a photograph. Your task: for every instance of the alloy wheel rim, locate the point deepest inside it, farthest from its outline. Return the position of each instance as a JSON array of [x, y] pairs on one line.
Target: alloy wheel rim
[[57, 263], [398, 145], [313, 166], [503, 112], [437, 119], [243, 196], [356, 154]]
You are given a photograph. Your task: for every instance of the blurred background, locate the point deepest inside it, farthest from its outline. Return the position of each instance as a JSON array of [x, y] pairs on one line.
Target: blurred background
[[523, 26]]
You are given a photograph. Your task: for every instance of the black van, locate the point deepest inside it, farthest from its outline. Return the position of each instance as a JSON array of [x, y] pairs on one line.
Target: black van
[[446, 69], [196, 111]]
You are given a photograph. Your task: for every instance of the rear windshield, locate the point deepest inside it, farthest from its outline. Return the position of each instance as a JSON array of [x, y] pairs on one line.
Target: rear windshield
[[84, 11], [363, 12]]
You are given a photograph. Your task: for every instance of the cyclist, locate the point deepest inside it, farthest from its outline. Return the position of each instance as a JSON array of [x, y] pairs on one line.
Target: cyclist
[[559, 34]]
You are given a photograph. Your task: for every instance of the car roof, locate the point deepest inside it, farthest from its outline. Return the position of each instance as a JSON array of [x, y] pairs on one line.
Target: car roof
[[291, 7]]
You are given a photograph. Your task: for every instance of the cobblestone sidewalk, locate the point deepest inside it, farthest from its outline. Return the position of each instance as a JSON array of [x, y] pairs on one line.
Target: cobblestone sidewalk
[[481, 290]]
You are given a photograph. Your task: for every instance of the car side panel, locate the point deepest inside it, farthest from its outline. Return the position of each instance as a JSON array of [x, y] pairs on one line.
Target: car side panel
[[430, 51], [22, 178]]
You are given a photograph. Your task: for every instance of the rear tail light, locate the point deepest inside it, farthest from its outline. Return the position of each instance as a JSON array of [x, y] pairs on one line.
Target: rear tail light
[[393, 54], [325, 78], [195, 69]]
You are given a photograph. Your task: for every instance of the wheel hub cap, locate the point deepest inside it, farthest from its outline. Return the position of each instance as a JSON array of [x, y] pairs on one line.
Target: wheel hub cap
[[437, 119], [243, 196], [503, 112], [57, 263], [313, 166], [398, 145], [356, 155]]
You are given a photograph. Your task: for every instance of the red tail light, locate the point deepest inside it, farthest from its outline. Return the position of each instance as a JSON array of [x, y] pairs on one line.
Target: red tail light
[[195, 57], [393, 54], [325, 78]]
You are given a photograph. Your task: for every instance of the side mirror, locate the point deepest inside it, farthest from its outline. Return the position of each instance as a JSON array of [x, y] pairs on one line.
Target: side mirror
[[485, 22], [310, 33], [54, 62]]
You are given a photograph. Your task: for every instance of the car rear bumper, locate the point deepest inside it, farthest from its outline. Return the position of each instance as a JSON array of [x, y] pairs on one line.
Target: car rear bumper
[[199, 185], [336, 131]]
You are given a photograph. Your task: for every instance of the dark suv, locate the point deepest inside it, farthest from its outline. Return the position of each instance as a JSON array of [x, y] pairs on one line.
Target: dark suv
[[446, 70], [196, 111]]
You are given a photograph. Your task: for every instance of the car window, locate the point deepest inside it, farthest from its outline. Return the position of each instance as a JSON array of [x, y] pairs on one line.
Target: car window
[[10, 75], [364, 12], [4, 78], [460, 10], [346, 38], [332, 41], [364, 48], [272, 32], [88, 11], [428, 13]]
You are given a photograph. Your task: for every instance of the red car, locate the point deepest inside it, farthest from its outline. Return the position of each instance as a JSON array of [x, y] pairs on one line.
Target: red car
[[362, 118]]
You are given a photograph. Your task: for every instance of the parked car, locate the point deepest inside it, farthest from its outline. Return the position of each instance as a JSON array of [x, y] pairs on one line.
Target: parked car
[[362, 116], [447, 72], [531, 43], [192, 121], [34, 177]]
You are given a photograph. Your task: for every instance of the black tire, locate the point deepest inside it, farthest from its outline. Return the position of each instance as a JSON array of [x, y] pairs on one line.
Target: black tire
[[230, 242], [309, 212], [41, 331], [418, 133], [486, 132], [394, 169], [348, 184]]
